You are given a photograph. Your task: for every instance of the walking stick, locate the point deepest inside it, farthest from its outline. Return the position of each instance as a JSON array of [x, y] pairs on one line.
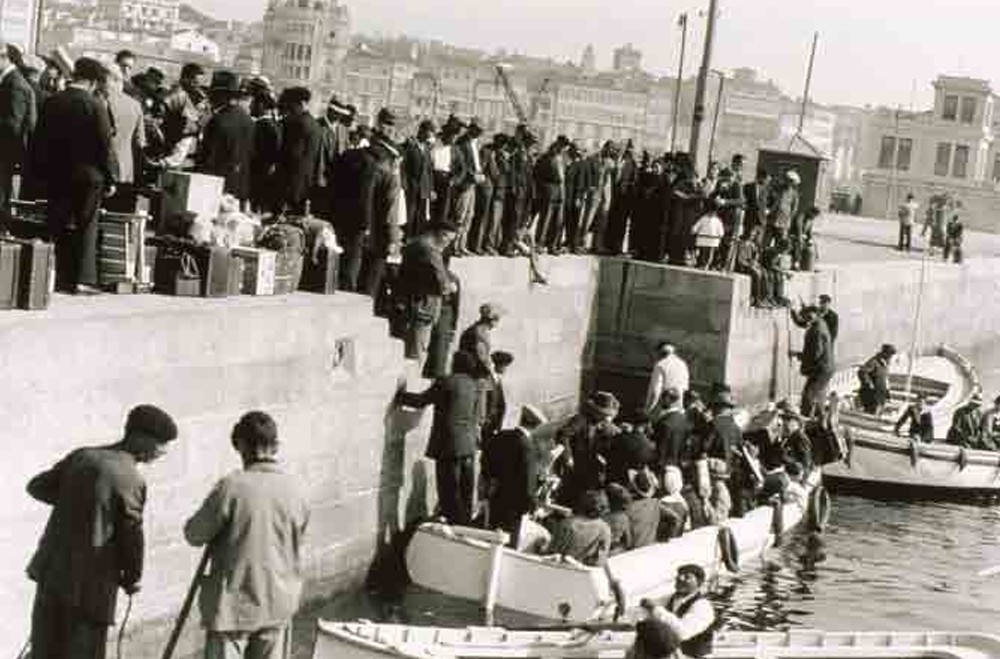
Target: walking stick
[[185, 611]]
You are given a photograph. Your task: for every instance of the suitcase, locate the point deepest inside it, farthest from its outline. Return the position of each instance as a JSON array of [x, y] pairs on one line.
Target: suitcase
[[214, 266], [184, 192], [121, 257], [287, 272], [29, 220], [36, 273], [258, 269], [176, 272], [10, 271]]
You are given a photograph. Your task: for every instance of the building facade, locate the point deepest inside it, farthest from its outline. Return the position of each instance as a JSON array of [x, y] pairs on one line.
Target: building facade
[[305, 43], [19, 22], [192, 41], [153, 16], [950, 148]]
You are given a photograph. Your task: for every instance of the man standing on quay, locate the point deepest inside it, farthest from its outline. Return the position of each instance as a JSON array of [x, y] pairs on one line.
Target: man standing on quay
[[93, 543], [254, 522], [816, 361]]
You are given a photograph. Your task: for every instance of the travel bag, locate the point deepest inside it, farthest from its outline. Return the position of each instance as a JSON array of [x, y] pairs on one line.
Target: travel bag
[[36, 273]]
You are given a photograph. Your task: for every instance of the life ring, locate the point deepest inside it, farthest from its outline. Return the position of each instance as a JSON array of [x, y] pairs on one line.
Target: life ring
[[778, 520], [729, 549], [819, 508]]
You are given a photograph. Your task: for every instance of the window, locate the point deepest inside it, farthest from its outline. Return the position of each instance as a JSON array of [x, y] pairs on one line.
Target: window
[[943, 159], [950, 112], [968, 109], [886, 152], [904, 155], [961, 162]]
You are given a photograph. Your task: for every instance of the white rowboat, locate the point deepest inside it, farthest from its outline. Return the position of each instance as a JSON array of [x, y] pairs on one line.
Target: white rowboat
[[365, 640], [880, 461], [473, 564]]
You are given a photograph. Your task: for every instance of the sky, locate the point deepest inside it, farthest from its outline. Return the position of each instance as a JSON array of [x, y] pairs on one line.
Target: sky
[[877, 52]]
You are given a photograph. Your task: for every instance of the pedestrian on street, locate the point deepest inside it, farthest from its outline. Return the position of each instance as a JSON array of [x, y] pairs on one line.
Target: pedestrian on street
[[253, 523], [907, 218], [93, 543], [454, 436]]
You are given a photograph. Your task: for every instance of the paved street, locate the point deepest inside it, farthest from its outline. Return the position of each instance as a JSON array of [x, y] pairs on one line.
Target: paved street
[[846, 238]]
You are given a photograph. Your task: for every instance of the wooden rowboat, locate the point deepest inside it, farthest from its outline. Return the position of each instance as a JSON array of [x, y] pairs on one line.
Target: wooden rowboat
[[366, 640], [473, 564], [879, 461]]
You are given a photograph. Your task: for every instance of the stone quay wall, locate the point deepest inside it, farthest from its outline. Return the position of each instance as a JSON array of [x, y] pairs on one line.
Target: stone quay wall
[[323, 366]]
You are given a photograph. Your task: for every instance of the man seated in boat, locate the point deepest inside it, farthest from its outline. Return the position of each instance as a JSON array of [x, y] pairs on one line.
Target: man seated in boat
[[586, 437], [967, 423], [654, 639], [920, 420], [619, 500], [874, 378], [644, 512], [687, 612], [584, 537], [991, 427], [676, 514]]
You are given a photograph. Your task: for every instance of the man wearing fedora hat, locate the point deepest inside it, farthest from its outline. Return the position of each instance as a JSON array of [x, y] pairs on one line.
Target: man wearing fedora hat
[[383, 201], [587, 437], [297, 166], [335, 141], [644, 512], [418, 177], [967, 423], [128, 140], [227, 144]]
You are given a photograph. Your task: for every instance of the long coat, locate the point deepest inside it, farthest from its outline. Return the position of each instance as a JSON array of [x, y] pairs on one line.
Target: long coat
[[93, 541], [255, 522], [457, 411], [227, 149], [509, 459], [16, 113], [298, 160], [129, 138]]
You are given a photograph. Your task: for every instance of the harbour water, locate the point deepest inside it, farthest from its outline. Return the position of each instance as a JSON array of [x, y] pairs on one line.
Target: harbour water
[[880, 565]]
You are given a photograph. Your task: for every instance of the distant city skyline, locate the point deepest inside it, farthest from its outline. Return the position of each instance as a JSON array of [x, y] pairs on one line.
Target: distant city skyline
[[881, 52]]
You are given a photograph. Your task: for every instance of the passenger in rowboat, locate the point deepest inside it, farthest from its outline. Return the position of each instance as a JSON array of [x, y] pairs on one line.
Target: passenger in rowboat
[[585, 536], [967, 423], [587, 438], [874, 377], [991, 427], [644, 512], [617, 519], [920, 420], [687, 612], [676, 515]]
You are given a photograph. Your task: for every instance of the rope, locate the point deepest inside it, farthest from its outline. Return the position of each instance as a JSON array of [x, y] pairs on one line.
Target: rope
[[121, 630]]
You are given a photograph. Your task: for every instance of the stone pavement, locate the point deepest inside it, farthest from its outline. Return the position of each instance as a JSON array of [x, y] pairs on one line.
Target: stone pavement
[[847, 238]]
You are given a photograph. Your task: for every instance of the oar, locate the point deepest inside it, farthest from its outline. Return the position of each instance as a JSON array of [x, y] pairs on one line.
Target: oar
[[185, 611], [988, 572], [592, 627]]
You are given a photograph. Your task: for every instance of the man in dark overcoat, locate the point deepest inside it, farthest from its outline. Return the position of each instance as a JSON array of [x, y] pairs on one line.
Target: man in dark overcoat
[[418, 177], [93, 543], [381, 196], [587, 437], [874, 377], [423, 284], [227, 145], [816, 362], [512, 473], [16, 110], [73, 147], [454, 436], [297, 168]]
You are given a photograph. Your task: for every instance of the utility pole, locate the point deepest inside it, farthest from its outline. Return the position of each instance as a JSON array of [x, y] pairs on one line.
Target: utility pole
[[699, 94], [718, 106], [683, 22], [805, 93]]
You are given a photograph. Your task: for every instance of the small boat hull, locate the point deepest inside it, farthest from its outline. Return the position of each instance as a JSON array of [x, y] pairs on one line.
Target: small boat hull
[[365, 640], [881, 463], [461, 562]]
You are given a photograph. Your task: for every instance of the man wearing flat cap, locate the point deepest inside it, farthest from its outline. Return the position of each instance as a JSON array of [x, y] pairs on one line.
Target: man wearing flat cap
[[383, 201], [477, 341], [587, 438], [93, 543]]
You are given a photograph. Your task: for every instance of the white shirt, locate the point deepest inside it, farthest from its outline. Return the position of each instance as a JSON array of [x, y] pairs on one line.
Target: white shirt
[[474, 144], [441, 157], [669, 372], [699, 618], [910, 216]]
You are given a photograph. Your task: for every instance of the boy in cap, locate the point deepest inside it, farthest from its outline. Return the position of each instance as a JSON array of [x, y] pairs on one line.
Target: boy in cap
[[93, 543], [254, 523]]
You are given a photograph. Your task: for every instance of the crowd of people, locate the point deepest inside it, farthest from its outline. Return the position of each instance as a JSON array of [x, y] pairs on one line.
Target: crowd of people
[[116, 129], [942, 226]]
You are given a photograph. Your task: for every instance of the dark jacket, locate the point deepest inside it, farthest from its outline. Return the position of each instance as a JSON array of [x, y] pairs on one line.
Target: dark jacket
[[418, 170], [455, 430], [297, 169], [73, 142], [874, 377], [757, 203], [93, 541], [348, 203], [509, 459], [829, 317], [817, 351], [227, 149], [16, 112], [422, 272], [334, 142], [727, 441], [670, 433], [549, 177], [264, 157], [476, 341], [920, 426], [631, 450], [463, 167], [380, 193]]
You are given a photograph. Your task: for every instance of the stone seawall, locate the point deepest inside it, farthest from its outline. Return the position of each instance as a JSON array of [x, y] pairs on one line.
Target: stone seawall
[[322, 365], [709, 317]]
